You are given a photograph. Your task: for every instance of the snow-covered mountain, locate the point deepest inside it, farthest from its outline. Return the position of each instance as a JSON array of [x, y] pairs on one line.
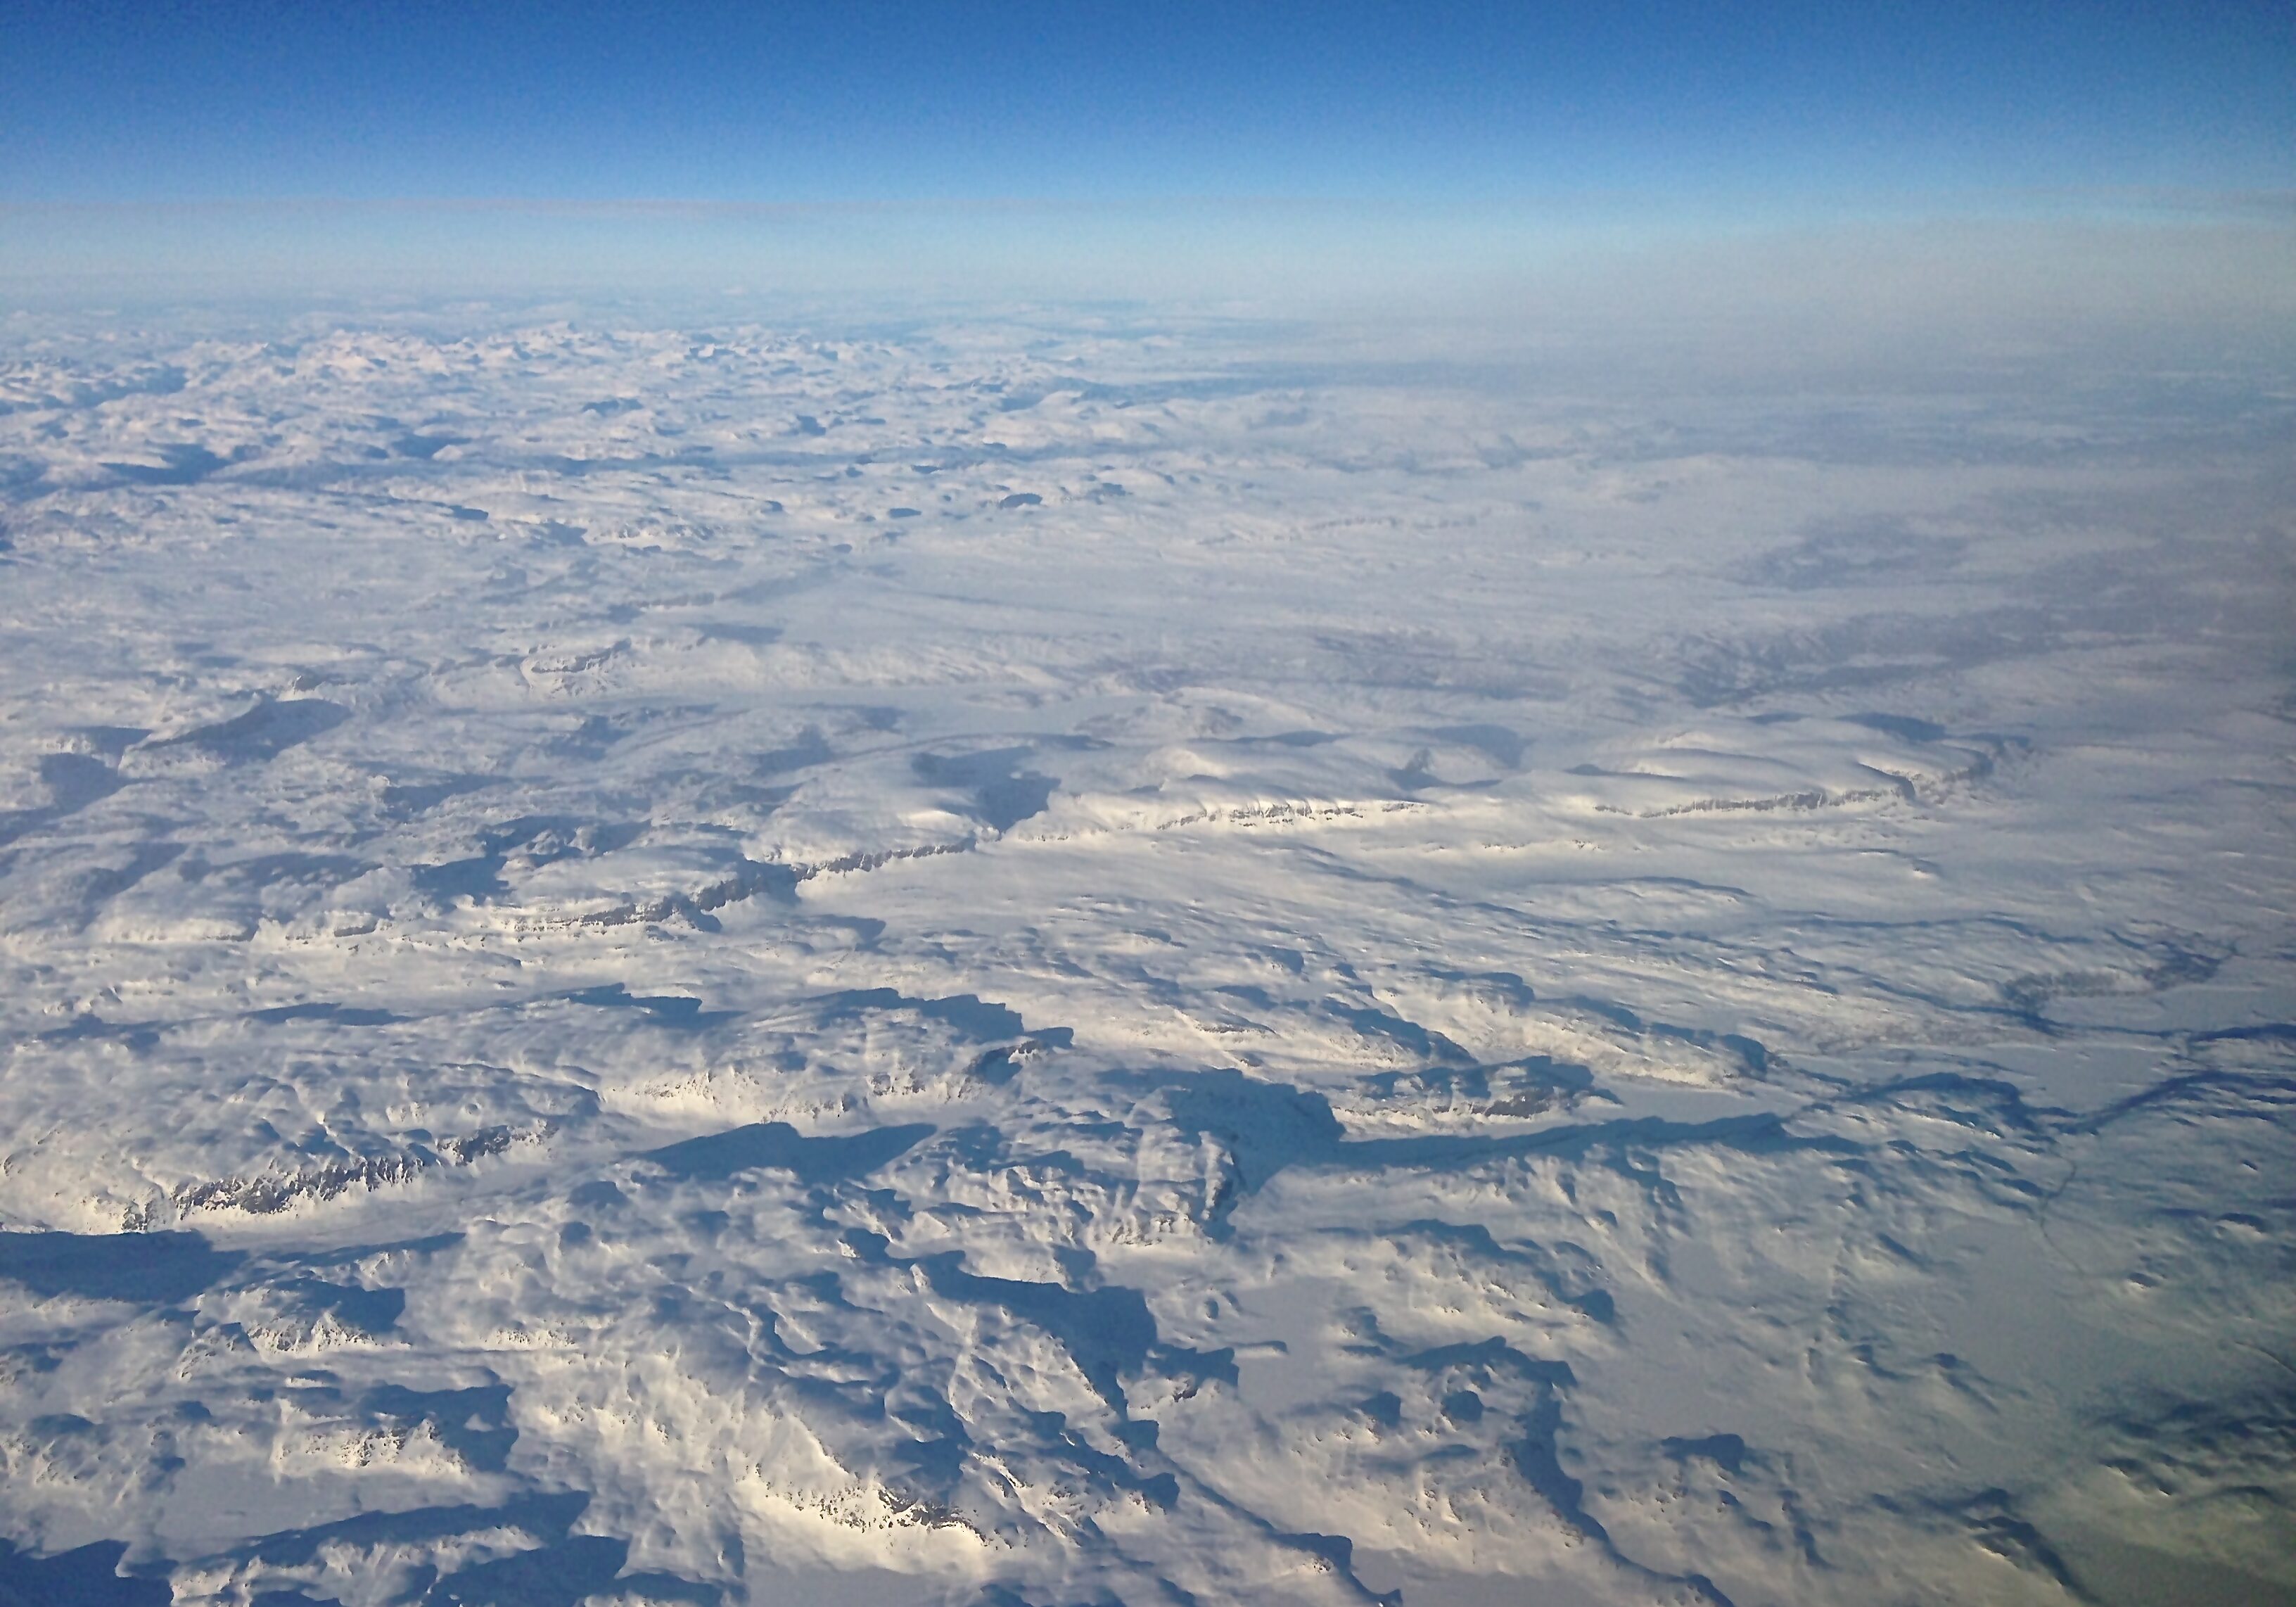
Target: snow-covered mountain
[[1077, 959]]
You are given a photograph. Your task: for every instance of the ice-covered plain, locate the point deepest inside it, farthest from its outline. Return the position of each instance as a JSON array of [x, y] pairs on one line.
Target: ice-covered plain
[[1068, 959]]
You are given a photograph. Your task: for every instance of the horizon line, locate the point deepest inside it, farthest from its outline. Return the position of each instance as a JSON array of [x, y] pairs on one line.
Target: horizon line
[[2247, 200]]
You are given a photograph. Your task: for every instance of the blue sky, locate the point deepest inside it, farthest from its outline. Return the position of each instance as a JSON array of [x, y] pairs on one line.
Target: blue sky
[[164, 100]]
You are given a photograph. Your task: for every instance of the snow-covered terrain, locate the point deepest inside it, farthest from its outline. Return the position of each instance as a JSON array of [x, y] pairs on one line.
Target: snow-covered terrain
[[1066, 960]]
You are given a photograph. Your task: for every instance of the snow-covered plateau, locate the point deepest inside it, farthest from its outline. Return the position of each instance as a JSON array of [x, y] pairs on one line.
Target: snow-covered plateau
[[1077, 960]]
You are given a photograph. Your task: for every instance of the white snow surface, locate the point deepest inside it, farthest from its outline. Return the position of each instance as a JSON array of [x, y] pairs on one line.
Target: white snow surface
[[1066, 959]]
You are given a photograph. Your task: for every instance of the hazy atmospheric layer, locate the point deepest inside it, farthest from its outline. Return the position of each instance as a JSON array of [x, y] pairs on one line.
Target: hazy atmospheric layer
[[1073, 961]]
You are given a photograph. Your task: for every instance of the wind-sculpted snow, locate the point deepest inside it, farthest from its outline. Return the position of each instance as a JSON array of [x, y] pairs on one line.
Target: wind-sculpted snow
[[1065, 963]]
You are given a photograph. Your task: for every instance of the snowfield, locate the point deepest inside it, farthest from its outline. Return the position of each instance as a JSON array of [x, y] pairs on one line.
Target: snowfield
[[1076, 959]]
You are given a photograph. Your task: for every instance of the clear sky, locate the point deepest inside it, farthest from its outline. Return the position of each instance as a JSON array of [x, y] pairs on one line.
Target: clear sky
[[866, 100]]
